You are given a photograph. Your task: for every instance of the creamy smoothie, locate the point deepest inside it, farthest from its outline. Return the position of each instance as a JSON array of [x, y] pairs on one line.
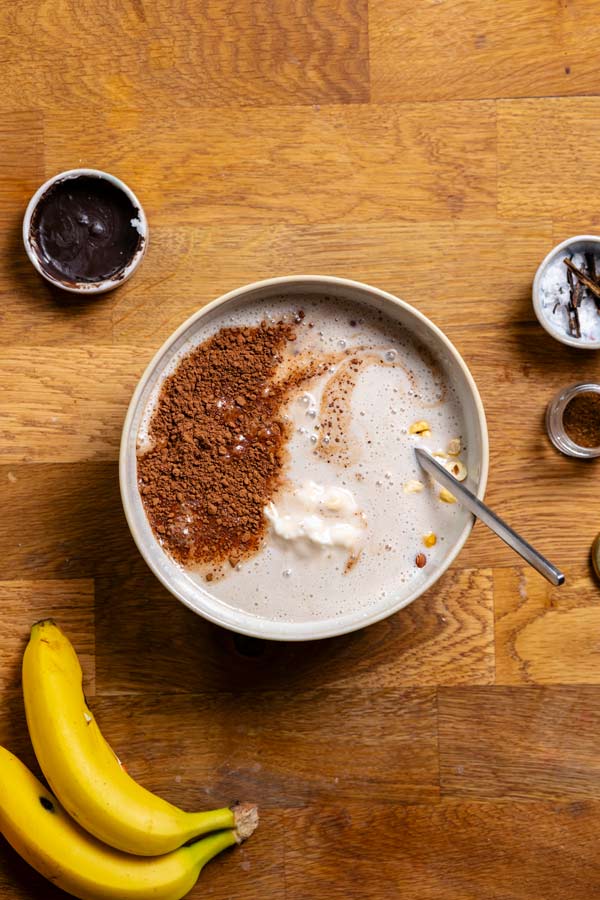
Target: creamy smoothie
[[346, 517]]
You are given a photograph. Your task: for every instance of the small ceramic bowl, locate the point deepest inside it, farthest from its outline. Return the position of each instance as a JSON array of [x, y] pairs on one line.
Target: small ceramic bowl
[[545, 295], [198, 597], [85, 287]]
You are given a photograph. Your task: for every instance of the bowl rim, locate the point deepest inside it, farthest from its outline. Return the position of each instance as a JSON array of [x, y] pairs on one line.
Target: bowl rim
[[535, 293], [319, 629], [85, 287]]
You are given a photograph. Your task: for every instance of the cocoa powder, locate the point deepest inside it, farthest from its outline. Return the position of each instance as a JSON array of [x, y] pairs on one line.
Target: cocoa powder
[[581, 419], [218, 449]]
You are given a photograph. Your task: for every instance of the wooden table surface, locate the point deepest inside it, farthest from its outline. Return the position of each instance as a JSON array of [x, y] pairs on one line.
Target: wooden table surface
[[436, 149]]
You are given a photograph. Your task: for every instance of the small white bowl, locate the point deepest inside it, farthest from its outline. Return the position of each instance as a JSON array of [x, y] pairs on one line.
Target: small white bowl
[[579, 243], [174, 576], [85, 287]]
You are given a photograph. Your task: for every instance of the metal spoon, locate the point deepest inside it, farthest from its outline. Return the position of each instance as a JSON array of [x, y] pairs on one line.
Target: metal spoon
[[489, 518]]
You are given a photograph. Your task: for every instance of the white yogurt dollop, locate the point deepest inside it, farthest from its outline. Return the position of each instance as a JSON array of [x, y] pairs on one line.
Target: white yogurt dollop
[[325, 515], [332, 498]]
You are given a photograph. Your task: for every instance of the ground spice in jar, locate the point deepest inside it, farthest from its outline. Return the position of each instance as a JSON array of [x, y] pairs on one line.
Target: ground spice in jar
[[218, 444], [581, 419]]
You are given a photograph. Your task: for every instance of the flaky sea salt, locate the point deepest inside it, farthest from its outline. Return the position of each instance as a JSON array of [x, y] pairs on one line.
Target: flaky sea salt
[[555, 294]]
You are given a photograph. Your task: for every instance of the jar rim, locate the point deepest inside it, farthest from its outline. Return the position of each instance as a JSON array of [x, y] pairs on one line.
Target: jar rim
[[555, 425]]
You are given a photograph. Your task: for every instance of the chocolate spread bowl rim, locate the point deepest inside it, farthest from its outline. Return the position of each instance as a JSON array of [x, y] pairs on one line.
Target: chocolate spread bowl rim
[[200, 600], [550, 257], [85, 287]]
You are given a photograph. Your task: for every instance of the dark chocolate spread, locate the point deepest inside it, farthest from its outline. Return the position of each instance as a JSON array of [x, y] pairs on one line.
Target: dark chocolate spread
[[82, 229]]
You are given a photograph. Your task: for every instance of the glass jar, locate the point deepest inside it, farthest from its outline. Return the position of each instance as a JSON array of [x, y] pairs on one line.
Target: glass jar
[[555, 425]]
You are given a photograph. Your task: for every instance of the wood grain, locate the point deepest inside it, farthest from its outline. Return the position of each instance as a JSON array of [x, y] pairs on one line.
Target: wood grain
[[482, 48], [278, 750], [435, 150], [559, 139], [67, 405], [63, 521], [443, 638], [529, 742], [542, 633], [190, 266], [357, 163], [395, 256], [25, 602], [184, 54], [521, 851], [33, 312], [21, 165]]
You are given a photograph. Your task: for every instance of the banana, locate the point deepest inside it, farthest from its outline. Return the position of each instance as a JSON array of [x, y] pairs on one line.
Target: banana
[[37, 827], [81, 767]]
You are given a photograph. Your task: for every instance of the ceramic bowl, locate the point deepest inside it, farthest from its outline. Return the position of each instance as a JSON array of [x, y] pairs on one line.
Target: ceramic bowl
[[581, 243], [85, 287], [197, 597]]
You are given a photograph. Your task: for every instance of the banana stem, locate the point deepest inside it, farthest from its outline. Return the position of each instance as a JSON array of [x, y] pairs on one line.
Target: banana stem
[[246, 820], [213, 820], [204, 850]]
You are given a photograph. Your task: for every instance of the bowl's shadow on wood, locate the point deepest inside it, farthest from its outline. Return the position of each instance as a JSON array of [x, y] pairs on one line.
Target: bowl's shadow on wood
[[34, 291], [148, 641]]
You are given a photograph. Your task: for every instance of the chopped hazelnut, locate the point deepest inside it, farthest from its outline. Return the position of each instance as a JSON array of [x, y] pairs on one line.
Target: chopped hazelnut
[[457, 468], [454, 447], [421, 427], [446, 496]]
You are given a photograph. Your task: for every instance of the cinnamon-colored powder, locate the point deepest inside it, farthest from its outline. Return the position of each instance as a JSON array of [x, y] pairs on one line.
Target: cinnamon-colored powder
[[581, 419], [218, 446]]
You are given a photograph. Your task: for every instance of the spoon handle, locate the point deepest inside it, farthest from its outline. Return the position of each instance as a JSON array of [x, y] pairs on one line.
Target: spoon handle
[[489, 518]]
